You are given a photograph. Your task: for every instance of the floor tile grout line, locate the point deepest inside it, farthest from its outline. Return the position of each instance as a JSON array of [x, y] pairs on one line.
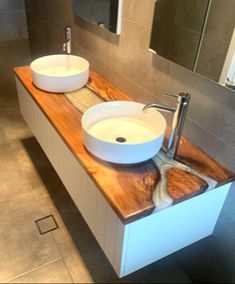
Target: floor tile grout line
[[136, 23], [34, 194], [58, 248], [55, 242], [23, 173], [57, 245], [32, 270]]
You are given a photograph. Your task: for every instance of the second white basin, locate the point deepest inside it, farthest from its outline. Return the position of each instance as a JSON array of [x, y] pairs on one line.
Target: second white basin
[[120, 132], [60, 73]]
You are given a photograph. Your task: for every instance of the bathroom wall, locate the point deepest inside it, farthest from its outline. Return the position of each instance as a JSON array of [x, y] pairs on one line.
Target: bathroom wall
[[177, 28], [93, 10], [14, 44], [216, 40], [127, 63]]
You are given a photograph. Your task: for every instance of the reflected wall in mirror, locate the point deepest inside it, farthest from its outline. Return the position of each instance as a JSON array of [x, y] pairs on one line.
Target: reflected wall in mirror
[[197, 34], [177, 29], [103, 13]]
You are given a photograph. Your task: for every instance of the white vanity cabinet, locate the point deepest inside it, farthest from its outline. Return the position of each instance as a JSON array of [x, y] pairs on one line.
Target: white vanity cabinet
[[131, 246]]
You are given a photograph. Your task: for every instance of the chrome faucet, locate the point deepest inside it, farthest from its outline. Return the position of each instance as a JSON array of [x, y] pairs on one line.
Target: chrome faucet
[[177, 122], [67, 42]]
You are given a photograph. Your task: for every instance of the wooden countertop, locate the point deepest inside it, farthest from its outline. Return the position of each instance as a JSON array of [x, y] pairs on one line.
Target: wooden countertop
[[127, 188]]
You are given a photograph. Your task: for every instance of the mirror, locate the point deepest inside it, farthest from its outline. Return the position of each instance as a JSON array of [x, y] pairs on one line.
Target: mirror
[[197, 34], [104, 13]]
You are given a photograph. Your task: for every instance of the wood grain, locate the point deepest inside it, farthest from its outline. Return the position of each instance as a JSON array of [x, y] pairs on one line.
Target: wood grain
[[127, 188], [104, 89], [182, 185]]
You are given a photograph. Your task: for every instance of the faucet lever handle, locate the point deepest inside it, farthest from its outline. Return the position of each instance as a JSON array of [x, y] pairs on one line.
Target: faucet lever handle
[[170, 95], [184, 96]]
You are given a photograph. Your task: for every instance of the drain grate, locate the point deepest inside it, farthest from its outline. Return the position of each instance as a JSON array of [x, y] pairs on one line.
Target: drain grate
[[46, 224]]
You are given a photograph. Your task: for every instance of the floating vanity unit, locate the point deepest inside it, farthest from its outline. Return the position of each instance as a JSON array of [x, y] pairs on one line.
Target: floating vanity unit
[[138, 213]]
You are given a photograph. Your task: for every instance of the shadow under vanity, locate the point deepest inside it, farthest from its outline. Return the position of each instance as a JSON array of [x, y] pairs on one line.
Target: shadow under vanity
[[116, 201]]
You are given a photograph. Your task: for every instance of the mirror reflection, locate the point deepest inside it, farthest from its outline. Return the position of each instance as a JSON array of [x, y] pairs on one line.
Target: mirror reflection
[[197, 34], [103, 13]]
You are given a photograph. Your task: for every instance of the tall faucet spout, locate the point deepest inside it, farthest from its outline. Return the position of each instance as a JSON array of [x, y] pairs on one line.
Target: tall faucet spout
[[67, 42], [177, 124], [160, 107], [178, 120]]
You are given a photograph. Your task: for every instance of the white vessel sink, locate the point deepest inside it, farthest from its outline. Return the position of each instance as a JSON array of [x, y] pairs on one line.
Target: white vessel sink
[[60, 73], [120, 132]]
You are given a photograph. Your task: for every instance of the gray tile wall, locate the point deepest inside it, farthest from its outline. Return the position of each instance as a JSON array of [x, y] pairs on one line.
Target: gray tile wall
[[14, 44], [127, 63], [177, 28], [217, 38]]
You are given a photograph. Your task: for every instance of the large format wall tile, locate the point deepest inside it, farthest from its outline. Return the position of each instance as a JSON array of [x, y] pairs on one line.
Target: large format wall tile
[[38, 36], [7, 81], [14, 53], [190, 14], [210, 144], [139, 11], [213, 111], [208, 64], [224, 11], [13, 25], [14, 45], [9, 5], [184, 46]]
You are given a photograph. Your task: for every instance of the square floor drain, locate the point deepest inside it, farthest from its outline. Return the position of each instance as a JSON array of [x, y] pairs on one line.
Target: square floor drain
[[46, 224]]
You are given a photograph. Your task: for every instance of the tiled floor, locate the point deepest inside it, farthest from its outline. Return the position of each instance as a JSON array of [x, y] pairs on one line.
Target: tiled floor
[[30, 189]]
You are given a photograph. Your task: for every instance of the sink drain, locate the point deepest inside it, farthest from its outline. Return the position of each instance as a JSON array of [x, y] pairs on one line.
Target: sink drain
[[121, 139]]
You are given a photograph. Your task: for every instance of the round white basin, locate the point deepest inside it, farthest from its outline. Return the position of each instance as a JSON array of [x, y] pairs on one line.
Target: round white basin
[[120, 132], [60, 73]]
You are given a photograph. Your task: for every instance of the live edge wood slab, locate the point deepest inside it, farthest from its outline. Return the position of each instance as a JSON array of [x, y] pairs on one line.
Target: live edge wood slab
[[127, 188]]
